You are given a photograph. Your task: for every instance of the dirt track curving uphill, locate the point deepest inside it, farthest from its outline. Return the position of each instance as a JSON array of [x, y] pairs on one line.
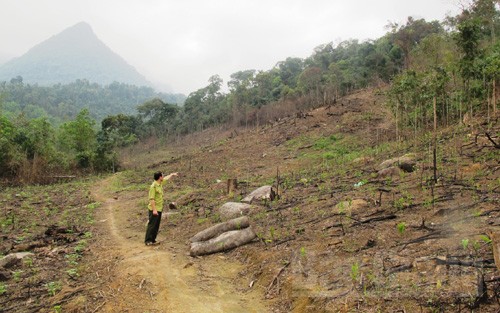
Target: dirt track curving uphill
[[163, 278]]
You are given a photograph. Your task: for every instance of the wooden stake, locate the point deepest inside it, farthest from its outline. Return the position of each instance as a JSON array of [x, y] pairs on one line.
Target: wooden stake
[[435, 143]]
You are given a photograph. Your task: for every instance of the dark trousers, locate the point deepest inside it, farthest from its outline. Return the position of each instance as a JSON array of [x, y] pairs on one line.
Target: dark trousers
[[153, 226]]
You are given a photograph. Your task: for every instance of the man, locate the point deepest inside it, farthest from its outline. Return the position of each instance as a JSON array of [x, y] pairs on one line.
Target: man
[[155, 206]]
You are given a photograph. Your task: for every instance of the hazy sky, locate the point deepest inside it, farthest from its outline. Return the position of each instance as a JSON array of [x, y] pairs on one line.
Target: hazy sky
[[182, 43]]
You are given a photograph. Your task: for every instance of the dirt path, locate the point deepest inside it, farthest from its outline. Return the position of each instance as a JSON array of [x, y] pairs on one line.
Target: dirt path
[[163, 278]]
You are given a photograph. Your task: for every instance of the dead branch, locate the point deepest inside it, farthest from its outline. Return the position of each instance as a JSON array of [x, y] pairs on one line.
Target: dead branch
[[332, 226], [400, 268], [305, 147], [492, 141], [492, 279], [320, 219], [99, 306], [486, 213], [478, 264], [435, 235], [284, 241], [345, 293], [375, 219], [275, 279], [142, 282]]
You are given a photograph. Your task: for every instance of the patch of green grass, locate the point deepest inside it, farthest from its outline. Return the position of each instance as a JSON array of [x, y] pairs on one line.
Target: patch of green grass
[[72, 258], [202, 220], [72, 272], [80, 246], [401, 227], [354, 271], [53, 287], [17, 275], [93, 205]]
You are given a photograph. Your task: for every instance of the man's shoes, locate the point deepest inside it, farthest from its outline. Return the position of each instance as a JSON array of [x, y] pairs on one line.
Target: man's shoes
[[149, 243]]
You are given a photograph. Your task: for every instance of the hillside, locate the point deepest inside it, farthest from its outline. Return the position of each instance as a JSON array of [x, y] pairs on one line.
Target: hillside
[[75, 53], [397, 243]]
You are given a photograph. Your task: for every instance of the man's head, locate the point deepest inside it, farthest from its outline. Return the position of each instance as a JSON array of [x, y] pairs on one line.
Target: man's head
[[157, 175]]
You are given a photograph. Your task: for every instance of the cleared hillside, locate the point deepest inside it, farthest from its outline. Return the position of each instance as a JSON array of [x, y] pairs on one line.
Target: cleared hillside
[[342, 237]]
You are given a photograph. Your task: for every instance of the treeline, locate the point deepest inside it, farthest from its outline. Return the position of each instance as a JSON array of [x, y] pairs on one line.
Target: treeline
[[451, 65], [32, 150], [449, 74], [432, 71], [60, 103]]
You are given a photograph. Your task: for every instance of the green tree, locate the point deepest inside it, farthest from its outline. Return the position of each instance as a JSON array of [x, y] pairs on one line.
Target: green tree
[[8, 150], [158, 117], [79, 137]]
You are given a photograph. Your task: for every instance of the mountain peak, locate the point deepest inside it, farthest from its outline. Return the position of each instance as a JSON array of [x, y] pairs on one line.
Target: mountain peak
[[75, 53], [81, 28]]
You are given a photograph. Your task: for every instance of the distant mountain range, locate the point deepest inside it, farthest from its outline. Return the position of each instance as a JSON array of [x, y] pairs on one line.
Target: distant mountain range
[[75, 53]]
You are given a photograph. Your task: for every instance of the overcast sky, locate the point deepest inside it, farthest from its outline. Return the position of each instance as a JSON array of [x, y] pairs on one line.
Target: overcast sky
[[181, 43]]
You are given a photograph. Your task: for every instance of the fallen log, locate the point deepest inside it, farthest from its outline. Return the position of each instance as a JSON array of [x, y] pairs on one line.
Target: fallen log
[[400, 268], [218, 229], [227, 241], [375, 219], [478, 263], [438, 234]]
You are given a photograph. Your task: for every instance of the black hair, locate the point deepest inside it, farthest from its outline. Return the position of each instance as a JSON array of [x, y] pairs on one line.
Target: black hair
[[157, 175]]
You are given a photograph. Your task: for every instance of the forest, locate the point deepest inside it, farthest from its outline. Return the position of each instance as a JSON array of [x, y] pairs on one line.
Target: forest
[[433, 72]]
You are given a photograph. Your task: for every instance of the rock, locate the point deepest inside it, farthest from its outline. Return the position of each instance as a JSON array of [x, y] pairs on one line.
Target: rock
[[5, 247], [5, 275], [259, 194], [407, 167], [231, 210], [354, 205], [407, 159], [13, 259], [8, 261], [388, 172]]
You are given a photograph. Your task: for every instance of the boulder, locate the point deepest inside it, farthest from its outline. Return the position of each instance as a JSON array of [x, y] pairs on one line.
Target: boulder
[[8, 261], [404, 162], [13, 259], [216, 230], [388, 172], [5, 275], [226, 241], [259, 194], [231, 210]]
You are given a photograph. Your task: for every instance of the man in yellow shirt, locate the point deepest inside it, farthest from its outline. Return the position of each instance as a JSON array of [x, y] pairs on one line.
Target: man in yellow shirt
[[155, 206]]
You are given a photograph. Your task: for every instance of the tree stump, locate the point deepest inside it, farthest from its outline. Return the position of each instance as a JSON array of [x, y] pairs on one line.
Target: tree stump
[[232, 185]]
